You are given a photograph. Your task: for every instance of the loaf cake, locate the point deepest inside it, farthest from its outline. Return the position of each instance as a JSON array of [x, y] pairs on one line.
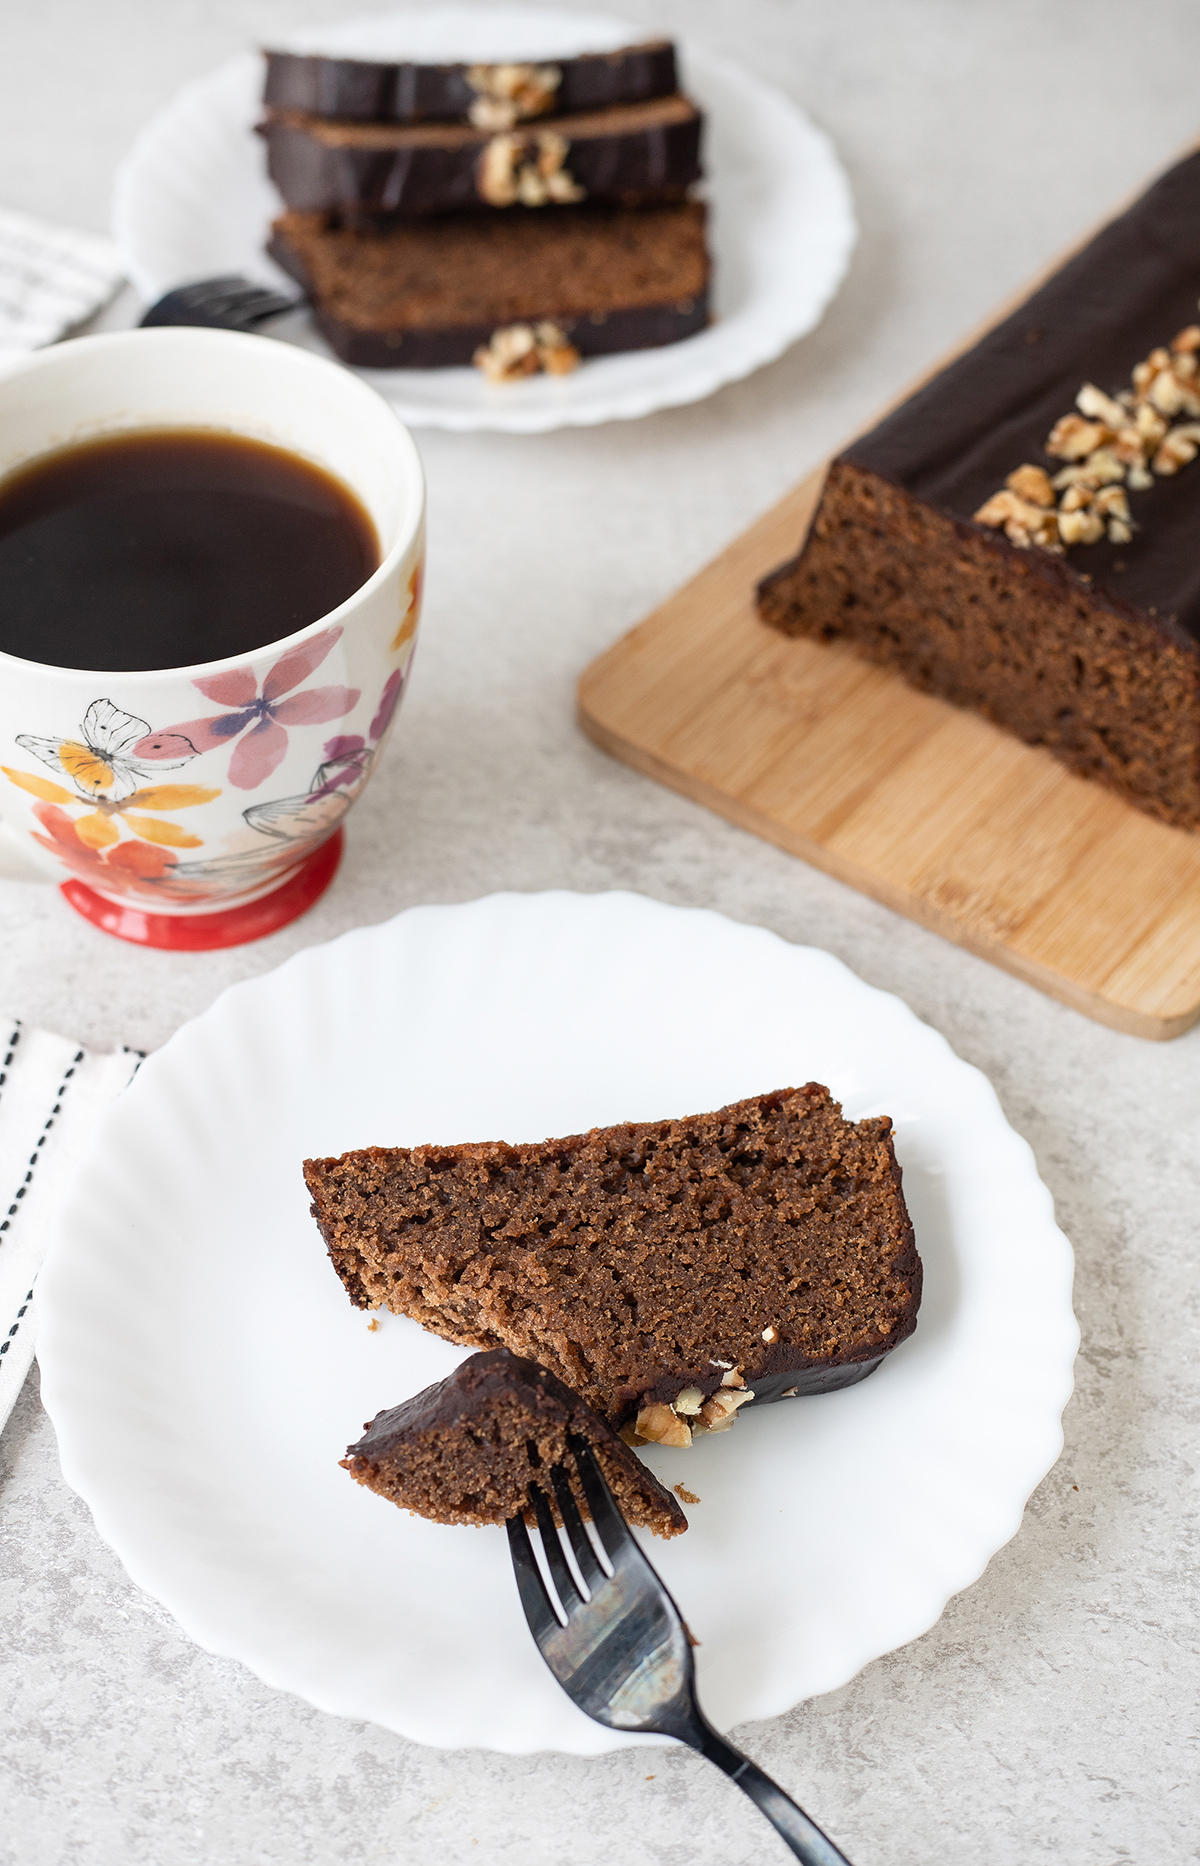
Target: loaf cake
[[358, 171], [425, 293], [1020, 536], [670, 1272], [468, 1449], [493, 97]]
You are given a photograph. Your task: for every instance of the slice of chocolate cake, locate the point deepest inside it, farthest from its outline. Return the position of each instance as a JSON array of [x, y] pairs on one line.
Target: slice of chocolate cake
[[467, 1449], [1021, 535], [493, 97], [671, 1272], [429, 293], [356, 172]]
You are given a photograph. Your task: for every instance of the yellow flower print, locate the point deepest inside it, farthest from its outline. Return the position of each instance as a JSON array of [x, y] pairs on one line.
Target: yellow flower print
[[100, 828], [408, 621]]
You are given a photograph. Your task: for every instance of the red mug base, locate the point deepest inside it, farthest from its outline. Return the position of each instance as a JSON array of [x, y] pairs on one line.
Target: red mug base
[[233, 926]]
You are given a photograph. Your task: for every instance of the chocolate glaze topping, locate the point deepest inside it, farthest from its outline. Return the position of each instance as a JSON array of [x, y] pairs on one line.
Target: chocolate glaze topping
[[406, 93], [647, 151], [954, 442]]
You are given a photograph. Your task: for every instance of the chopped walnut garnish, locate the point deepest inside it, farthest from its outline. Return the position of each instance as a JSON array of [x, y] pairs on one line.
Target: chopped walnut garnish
[[689, 1401], [789, 1393], [661, 1425], [1080, 527], [556, 353], [1072, 438], [1178, 449], [1093, 401], [529, 168], [1114, 445], [506, 94], [1023, 524], [1031, 483], [732, 1378], [718, 1413], [770, 1334], [713, 1363], [517, 350]]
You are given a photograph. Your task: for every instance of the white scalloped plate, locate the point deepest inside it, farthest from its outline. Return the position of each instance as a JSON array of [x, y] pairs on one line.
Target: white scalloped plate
[[205, 1371], [192, 200]]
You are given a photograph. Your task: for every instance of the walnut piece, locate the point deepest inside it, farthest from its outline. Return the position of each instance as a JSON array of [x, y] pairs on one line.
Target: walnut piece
[[517, 350], [506, 94], [718, 1413], [529, 168], [1031, 483], [1080, 527], [1093, 401], [661, 1425], [1072, 438], [732, 1378], [770, 1334], [689, 1401]]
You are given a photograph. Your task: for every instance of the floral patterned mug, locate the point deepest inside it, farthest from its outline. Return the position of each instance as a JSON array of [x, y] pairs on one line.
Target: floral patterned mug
[[200, 806]]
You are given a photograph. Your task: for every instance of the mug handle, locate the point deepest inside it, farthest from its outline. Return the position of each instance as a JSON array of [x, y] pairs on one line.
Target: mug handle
[[16, 864]]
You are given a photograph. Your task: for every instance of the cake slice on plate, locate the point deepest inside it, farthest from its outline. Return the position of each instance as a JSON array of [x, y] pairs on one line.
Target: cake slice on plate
[[355, 172], [467, 1449], [670, 1272], [426, 293], [1020, 536]]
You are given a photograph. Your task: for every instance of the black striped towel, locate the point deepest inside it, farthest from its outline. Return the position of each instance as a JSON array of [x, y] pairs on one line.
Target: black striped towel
[[51, 1094], [52, 279]]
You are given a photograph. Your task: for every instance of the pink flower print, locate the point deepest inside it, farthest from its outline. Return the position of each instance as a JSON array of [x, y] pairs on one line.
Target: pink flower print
[[345, 762], [267, 714], [389, 700]]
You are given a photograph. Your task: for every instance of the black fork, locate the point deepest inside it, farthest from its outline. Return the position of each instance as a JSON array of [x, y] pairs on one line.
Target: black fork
[[622, 1651], [227, 303]]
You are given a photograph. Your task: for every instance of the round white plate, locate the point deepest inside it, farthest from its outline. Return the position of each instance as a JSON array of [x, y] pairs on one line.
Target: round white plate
[[193, 200], [205, 1370]]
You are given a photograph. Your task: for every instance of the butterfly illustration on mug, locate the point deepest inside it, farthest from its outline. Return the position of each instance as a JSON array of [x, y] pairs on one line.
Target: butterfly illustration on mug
[[113, 752]]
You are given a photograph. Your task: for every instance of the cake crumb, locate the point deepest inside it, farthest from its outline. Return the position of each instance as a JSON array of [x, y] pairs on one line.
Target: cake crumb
[[372, 1325], [685, 1496]]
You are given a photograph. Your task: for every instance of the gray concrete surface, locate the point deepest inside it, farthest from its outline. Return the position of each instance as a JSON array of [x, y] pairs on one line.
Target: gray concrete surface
[[1051, 1715]]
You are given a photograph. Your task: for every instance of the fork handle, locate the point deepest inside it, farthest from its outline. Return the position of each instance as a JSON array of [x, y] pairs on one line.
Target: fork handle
[[786, 1816]]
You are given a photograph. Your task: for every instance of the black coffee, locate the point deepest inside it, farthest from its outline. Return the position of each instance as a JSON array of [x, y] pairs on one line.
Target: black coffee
[[169, 546]]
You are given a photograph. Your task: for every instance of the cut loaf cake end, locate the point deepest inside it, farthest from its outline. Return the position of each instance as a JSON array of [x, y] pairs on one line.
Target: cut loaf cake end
[[1020, 535]]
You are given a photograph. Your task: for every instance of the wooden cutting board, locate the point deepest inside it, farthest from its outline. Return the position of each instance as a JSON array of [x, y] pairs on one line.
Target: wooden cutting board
[[929, 809]]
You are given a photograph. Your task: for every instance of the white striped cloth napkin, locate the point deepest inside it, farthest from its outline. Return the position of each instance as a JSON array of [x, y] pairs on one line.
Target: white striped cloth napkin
[[51, 1094], [51, 280]]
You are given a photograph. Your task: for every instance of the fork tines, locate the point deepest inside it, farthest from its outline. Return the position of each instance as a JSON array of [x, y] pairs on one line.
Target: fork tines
[[535, 1597], [226, 303]]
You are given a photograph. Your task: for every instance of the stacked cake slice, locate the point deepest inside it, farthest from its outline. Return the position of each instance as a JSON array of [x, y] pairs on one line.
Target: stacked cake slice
[[517, 215]]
